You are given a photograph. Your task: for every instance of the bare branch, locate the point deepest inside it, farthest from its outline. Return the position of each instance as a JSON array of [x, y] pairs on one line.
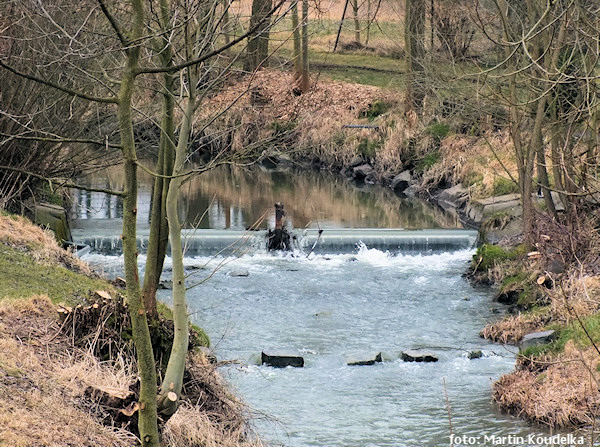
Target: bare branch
[[58, 87]]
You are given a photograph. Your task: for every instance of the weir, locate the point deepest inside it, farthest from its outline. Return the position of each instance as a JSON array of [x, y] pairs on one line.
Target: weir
[[206, 242]]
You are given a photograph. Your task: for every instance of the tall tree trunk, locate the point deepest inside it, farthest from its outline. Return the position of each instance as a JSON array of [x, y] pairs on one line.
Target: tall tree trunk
[[305, 82], [368, 22], [159, 227], [226, 23], [172, 384], [258, 43], [414, 32], [147, 424], [356, 21], [297, 56]]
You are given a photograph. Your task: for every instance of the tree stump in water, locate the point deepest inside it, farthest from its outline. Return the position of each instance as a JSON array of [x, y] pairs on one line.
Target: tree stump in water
[[279, 238]]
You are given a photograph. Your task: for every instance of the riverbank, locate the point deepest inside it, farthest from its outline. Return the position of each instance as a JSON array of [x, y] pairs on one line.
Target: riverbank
[[362, 133], [68, 376], [458, 162], [552, 298]]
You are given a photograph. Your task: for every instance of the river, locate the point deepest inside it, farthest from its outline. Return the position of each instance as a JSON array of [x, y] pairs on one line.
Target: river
[[393, 287]]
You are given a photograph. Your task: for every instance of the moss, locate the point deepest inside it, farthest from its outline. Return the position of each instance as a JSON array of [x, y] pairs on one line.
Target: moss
[[504, 186], [375, 109], [489, 255], [438, 130], [199, 338], [572, 332], [22, 277], [511, 280]]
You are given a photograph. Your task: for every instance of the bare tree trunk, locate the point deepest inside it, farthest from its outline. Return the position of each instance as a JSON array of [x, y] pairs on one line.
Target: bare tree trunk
[[170, 391], [258, 43], [305, 83], [226, 23], [337, 38], [147, 424], [356, 21], [368, 22], [414, 31], [297, 56]]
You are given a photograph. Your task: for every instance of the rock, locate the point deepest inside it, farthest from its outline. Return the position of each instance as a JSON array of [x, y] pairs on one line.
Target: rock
[[401, 181], [282, 360], [356, 161], [362, 171], [537, 339], [453, 198], [240, 272], [416, 355], [168, 285], [475, 355], [376, 358]]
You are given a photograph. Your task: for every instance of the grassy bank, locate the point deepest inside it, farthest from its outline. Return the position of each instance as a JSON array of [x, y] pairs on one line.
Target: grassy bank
[[556, 288], [67, 365]]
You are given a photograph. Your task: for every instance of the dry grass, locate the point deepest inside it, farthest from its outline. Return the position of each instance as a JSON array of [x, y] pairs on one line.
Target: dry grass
[[563, 394], [40, 403], [46, 397], [18, 232], [191, 426], [512, 328]]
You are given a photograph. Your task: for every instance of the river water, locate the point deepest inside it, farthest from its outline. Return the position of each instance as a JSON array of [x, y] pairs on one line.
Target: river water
[[356, 293]]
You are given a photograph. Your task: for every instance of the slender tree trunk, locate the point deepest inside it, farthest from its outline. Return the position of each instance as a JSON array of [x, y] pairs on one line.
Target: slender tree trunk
[[147, 424], [226, 23], [368, 22], [297, 56], [158, 240], [356, 21], [414, 32], [170, 391], [305, 81], [159, 227], [337, 38]]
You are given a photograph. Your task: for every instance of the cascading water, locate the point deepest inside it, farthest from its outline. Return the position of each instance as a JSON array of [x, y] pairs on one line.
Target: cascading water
[[357, 292]]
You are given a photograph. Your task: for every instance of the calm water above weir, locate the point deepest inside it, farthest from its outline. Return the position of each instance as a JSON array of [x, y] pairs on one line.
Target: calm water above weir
[[346, 298]]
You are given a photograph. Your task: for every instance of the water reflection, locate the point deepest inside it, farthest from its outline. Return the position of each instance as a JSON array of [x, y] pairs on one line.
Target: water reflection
[[236, 198]]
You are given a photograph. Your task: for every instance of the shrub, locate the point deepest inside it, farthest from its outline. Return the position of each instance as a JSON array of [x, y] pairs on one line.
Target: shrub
[[504, 186], [375, 109]]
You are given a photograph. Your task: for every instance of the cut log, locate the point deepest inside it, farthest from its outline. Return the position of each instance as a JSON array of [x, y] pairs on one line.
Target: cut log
[[103, 294], [109, 396]]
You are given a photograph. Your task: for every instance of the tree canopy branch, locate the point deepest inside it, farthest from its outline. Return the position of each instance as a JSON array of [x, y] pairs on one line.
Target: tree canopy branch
[[62, 183], [58, 87], [202, 58]]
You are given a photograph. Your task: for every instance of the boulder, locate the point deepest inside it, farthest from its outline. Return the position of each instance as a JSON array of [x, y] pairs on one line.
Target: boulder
[[454, 197], [475, 355], [240, 272], [166, 284], [537, 339], [401, 181], [362, 171], [366, 361], [416, 355], [281, 360]]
